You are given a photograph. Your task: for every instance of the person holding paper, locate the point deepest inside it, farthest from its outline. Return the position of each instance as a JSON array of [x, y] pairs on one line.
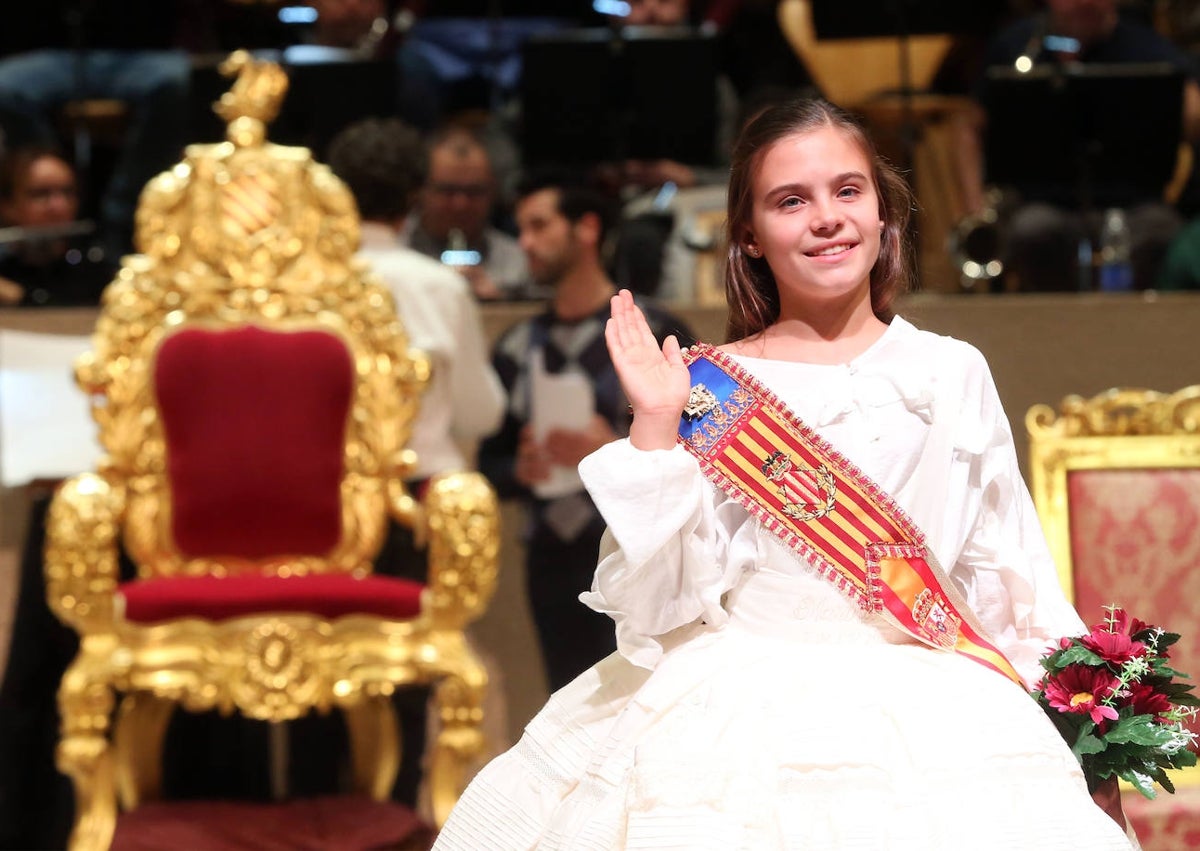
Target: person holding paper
[[564, 402]]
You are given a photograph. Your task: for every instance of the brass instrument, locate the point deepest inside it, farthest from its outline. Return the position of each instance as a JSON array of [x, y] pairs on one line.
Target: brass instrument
[[976, 245]]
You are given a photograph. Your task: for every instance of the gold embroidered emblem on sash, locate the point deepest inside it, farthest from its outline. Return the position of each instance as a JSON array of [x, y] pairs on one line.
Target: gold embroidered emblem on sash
[[777, 468], [700, 401]]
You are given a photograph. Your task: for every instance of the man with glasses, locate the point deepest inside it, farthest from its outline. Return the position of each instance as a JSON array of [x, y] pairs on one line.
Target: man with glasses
[[454, 222]]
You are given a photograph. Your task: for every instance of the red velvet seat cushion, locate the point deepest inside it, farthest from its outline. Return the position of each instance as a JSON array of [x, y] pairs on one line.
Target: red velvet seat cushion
[[216, 598], [338, 823], [255, 425]]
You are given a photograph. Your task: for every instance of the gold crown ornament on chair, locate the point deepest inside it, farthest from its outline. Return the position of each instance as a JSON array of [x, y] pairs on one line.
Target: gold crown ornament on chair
[[255, 392]]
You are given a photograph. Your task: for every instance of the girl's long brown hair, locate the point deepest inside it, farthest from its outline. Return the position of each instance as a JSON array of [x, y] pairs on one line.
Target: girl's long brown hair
[[750, 286]]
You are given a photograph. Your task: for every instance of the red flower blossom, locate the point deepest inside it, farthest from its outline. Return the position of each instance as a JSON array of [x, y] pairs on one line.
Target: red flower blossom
[[1114, 647], [1136, 626], [1117, 622], [1146, 700], [1081, 690], [1121, 622]]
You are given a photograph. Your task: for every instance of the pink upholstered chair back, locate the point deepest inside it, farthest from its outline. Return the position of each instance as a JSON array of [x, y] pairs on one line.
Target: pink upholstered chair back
[[1135, 541]]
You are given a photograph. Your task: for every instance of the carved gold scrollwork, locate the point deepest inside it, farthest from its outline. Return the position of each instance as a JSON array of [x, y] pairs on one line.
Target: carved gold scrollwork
[[1120, 412], [279, 676]]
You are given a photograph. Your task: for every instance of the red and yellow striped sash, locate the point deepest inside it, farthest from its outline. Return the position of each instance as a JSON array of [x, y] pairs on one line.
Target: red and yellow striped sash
[[823, 507]]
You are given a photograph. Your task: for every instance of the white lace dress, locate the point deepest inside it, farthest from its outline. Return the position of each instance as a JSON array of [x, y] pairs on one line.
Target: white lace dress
[[751, 706]]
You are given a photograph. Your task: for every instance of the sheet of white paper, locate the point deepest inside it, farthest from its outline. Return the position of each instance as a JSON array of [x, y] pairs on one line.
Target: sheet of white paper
[[562, 400], [46, 429]]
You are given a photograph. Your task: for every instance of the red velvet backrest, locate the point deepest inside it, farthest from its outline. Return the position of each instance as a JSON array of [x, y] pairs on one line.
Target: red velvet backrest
[[255, 424], [1135, 542]]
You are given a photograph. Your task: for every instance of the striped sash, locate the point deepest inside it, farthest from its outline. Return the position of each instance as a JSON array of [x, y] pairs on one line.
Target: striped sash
[[823, 508]]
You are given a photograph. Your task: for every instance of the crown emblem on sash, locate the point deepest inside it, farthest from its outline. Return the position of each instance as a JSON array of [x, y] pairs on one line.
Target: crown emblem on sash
[[781, 470], [700, 401], [932, 614]]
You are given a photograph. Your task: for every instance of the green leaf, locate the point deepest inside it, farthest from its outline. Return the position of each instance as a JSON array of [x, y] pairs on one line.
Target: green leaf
[[1166, 640], [1088, 744], [1139, 730], [1079, 655], [1183, 759], [1164, 781], [1138, 782]]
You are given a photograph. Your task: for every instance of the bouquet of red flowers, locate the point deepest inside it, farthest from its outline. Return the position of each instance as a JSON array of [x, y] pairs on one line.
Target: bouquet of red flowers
[[1115, 699]]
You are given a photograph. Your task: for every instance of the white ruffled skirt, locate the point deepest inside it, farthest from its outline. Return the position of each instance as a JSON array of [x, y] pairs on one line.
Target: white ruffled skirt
[[797, 726]]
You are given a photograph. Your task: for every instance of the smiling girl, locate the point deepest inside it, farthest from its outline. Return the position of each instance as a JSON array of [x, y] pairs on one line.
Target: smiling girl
[[829, 586]]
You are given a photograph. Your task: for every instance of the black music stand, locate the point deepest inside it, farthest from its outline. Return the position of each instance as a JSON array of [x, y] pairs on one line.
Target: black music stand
[[1083, 136], [596, 95]]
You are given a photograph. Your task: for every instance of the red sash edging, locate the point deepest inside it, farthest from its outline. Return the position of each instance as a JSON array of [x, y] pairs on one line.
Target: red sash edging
[[860, 576]]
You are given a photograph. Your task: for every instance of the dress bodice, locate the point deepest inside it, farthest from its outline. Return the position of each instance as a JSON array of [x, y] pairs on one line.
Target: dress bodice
[[916, 413]]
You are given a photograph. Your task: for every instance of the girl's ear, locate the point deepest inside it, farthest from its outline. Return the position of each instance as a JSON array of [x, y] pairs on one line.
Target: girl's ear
[[748, 244]]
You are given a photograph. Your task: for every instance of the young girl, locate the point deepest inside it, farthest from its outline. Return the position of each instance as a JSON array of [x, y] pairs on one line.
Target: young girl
[[829, 585]]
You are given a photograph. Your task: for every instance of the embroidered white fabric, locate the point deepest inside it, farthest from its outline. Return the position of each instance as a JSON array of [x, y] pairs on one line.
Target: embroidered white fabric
[[751, 706]]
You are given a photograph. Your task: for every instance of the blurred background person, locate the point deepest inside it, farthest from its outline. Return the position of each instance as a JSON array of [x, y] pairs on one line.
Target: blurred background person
[[46, 256], [453, 221], [383, 162]]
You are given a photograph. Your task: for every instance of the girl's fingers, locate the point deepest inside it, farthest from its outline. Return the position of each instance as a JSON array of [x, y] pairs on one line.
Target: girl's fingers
[[671, 351]]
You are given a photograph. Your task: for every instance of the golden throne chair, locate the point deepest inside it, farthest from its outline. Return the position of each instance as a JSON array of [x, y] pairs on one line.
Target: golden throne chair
[[1116, 483], [254, 393]]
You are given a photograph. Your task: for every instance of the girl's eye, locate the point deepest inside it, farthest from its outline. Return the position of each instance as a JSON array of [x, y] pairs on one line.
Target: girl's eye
[[848, 192], [790, 201]]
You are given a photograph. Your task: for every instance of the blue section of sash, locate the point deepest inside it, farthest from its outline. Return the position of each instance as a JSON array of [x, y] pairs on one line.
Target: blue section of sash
[[719, 383]]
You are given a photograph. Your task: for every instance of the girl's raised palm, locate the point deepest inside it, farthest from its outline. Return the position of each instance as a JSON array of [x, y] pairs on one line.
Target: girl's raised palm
[[655, 380]]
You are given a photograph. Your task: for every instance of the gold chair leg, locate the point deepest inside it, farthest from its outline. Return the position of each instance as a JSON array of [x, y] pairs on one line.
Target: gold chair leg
[[85, 702], [374, 746], [459, 742], [141, 724]]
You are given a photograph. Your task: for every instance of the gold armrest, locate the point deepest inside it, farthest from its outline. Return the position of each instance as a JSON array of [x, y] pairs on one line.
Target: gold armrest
[[463, 517], [82, 568]]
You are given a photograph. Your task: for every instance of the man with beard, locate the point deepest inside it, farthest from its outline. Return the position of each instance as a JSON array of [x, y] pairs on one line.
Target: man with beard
[[563, 225]]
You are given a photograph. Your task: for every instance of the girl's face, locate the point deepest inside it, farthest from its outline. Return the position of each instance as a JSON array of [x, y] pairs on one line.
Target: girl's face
[[816, 217]]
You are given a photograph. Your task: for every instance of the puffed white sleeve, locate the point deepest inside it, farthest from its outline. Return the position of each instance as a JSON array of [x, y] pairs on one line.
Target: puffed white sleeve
[[1004, 566], [674, 545]]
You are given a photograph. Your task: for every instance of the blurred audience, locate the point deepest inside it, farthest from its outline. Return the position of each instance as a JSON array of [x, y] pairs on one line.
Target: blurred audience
[[1044, 233], [123, 50], [453, 221], [46, 256]]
